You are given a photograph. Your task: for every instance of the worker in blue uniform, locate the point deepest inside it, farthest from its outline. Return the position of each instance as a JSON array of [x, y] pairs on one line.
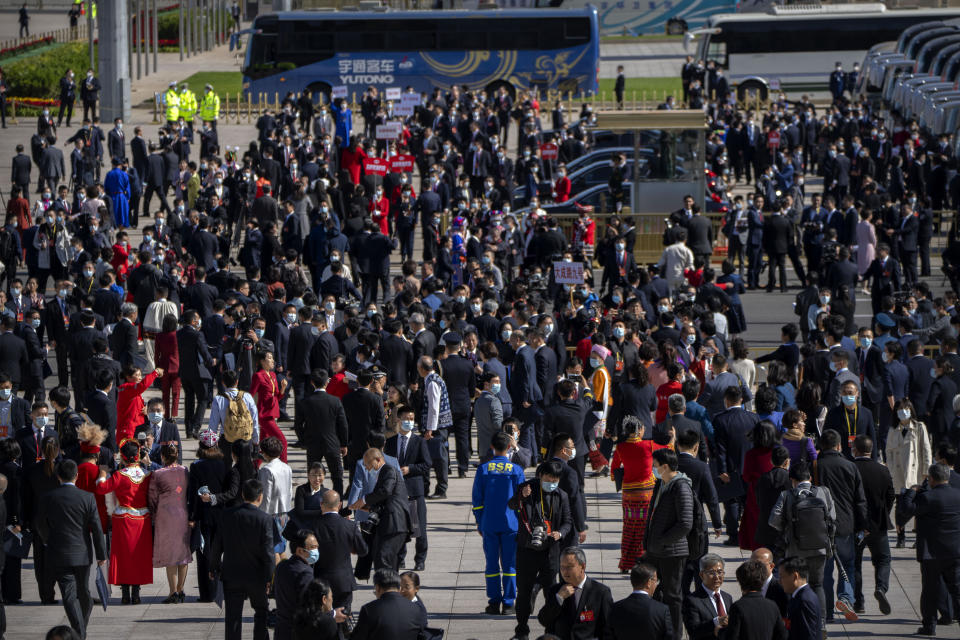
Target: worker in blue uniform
[[497, 481]]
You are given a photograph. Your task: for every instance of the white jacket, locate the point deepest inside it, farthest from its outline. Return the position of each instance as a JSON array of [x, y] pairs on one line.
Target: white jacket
[[909, 454], [675, 259], [277, 480]]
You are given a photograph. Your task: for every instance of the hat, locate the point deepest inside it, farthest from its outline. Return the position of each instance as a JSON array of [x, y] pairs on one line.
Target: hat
[[89, 447], [452, 337], [208, 438], [141, 434], [885, 320], [600, 350], [173, 84], [377, 372], [209, 86]]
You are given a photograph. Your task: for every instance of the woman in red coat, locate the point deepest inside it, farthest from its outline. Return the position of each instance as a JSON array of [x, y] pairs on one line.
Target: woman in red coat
[[267, 392], [379, 209], [131, 546], [562, 186], [756, 462], [91, 436], [351, 161], [130, 399], [166, 355]]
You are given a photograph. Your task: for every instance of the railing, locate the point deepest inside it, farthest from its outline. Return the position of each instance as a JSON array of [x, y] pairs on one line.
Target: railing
[[66, 34]]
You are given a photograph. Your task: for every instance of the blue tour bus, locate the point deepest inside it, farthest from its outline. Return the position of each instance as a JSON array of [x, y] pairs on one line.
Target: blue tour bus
[[519, 49]]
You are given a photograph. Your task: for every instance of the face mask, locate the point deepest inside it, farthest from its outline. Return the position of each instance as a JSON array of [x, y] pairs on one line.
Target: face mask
[[461, 299], [495, 388], [371, 313], [315, 330], [314, 555], [664, 308], [825, 299], [35, 323], [691, 338], [904, 414], [885, 357], [258, 332], [833, 366], [334, 258], [15, 292], [621, 246], [548, 329], [618, 332], [549, 487], [475, 309], [656, 472], [155, 418], [407, 425], [596, 363], [329, 306], [291, 318], [63, 293], [866, 342], [933, 372], [443, 324], [849, 400], [505, 334], [41, 421], [5, 394]]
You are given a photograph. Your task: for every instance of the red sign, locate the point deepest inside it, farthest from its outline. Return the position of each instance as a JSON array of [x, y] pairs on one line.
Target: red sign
[[401, 164], [773, 139], [376, 166], [549, 151]]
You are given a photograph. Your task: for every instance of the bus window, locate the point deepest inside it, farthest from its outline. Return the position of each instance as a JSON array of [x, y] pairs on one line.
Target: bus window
[[460, 41], [263, 54], [717, 51]]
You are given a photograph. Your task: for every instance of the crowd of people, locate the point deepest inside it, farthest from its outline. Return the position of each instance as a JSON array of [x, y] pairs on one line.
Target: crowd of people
[[265, 295]]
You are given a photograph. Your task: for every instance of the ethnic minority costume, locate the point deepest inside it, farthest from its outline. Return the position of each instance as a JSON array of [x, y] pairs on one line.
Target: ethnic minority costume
[[636, 457], [131, 548]]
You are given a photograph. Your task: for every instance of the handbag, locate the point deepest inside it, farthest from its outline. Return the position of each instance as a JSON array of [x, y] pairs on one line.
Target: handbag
[[17, 544]]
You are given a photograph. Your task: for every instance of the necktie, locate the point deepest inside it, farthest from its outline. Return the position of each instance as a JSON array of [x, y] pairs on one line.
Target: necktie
[[721, 611], [403, 449]]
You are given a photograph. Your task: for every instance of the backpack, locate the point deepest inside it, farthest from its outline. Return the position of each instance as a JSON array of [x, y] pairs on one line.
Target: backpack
[[811, 529], [237, 422]]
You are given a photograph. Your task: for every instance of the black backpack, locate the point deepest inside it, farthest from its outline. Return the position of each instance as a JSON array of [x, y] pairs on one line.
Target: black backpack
[[811, 528]]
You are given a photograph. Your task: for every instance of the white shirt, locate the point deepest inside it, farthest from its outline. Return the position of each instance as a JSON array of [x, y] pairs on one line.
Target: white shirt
[[218, 409], [433, 407], [579, 587]]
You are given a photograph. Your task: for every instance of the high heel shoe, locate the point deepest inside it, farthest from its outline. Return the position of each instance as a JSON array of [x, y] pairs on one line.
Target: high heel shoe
[[181, 597], [173, 598]]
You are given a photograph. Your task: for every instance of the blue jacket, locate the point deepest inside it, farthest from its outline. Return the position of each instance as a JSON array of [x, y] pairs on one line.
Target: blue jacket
[[363, 483], [495, 483], [696, 411]]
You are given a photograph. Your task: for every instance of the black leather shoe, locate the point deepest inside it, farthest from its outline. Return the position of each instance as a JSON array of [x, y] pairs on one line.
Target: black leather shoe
[[509, 611], [731, 542], [403, 564], [882, 602], [419, 567], [437, 496], [135, 595], [492, 610], [926, 631]]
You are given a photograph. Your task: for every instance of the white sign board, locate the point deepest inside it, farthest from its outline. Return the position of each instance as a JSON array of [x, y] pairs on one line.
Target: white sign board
[[775, 84], [408, 103], [389, 130], [568, 272], [393, 93], [339, 92]]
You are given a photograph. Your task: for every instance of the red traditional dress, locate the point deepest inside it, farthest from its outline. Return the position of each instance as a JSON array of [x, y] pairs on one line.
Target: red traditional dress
[[130, 406], [131, 548], [265, 389], [87, 473]]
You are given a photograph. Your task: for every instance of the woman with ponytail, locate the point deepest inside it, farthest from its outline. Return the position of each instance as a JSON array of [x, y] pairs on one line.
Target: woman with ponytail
[[131, 548], [41, 477]]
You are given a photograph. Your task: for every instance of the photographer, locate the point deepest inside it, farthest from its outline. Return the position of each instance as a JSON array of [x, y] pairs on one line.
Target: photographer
[[544, 516], [248, 347]]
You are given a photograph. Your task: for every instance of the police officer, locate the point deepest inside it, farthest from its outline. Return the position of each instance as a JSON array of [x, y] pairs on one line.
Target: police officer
[[544, 520], [210, 106], [171, 101], [188, 104], [496, 483]]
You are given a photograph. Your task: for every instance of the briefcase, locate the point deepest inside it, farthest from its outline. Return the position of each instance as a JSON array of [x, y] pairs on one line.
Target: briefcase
[[17, 544]]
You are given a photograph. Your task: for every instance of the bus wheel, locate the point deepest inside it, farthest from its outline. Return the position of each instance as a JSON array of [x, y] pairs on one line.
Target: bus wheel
[[320, 89], [493, 89], [751, 90]]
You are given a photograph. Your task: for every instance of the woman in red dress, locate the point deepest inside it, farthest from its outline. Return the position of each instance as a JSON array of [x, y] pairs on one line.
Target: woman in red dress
[[166, 356], [635, 455], [267, 392], [91, 436], [756, 462], [130, 399], [131, 547]]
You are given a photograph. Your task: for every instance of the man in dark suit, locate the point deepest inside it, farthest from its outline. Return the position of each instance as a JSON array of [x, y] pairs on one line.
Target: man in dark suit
[[51, 166], [730, 429], [200, 295], [321, 425], [754, 617], [803, 608], [579, 607], [195, 365], [524, 390], [204, 246], [243, 556], [567, 417], [905, 232], [878, 489], [884, 276], [36, 357], [13, 352], [705, 492], [58, 313], [460, 377], [293, 576], [153, 177], [69, 525], [937, 511], [20, 171], [389, 616], [705, 610], [412, 454], [396, 355], [377, 249], [776, 241], [700, 236], [561, 450], [123, 340], [339, 538], [639, 610], [299, 354], [389, 500], [425, 340], [618, 264], [772, 589], [364, 410], [101, 408]]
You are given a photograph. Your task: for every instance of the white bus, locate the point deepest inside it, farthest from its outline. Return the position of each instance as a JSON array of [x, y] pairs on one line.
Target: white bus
[[796, 48]]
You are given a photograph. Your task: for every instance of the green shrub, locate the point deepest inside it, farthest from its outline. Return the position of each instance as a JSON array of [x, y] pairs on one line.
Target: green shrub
[[168, 26], [39, 76]]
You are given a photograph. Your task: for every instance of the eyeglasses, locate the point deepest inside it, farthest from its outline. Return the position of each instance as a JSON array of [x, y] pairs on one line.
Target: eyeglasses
[[716, 573]]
